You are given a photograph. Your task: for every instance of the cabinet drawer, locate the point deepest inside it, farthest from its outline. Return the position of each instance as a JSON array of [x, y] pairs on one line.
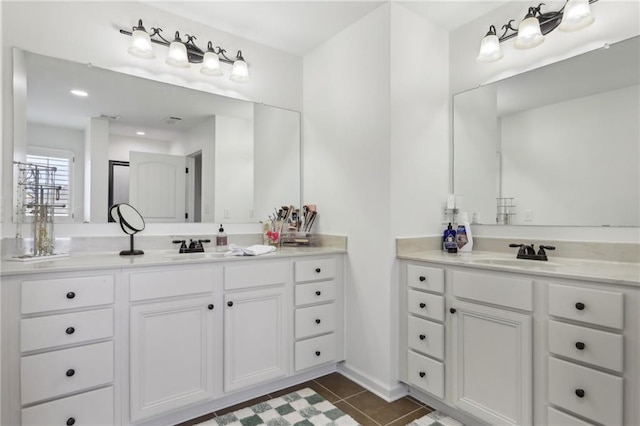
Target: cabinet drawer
[[315, 320], [602, 398], [558, 418], [316, 351], [426, 305], [426, 374], [513, 293], [587, 345], [587, 305], [316, 269], [57, 330], [66, 293], [68, 370], [171, 282], [426, 337], [322, 291], [256, 275], [425, 278], [93, 408]]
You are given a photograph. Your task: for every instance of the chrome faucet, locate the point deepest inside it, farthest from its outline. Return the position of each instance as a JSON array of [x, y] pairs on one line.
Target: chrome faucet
[[529, 251]]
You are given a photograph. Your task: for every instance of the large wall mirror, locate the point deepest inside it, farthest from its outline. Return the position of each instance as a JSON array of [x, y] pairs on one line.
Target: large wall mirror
[[176, 154], [560, 144]]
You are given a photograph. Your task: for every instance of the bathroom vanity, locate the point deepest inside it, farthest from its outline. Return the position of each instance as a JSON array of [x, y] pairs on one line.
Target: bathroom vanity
[[163, 338], [491, 339]]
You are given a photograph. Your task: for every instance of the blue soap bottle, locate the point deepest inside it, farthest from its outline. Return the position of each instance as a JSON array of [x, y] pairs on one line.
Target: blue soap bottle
[[449, 238]]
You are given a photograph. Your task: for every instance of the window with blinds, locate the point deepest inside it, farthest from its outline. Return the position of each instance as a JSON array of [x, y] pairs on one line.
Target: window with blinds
[[63, 162]]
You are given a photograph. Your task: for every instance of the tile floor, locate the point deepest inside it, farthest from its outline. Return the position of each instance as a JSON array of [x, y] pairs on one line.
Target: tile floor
[[365, 407]]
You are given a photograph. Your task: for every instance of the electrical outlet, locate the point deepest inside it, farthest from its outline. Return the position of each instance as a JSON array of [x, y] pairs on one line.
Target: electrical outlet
[[227, 213], [528, 216]]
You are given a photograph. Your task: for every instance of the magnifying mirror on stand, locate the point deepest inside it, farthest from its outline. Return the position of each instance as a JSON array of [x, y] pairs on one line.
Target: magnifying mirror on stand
[[130, 221]]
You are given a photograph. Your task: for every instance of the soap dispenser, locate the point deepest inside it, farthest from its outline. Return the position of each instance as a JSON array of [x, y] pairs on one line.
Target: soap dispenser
[[449, 239], [221, 240]]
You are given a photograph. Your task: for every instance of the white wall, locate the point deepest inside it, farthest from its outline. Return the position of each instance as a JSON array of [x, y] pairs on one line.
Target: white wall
[[87, 32], [120, 146], [97, 150]]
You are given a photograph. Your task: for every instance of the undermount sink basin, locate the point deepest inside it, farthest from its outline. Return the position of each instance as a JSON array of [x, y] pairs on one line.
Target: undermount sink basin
[[525, 263]]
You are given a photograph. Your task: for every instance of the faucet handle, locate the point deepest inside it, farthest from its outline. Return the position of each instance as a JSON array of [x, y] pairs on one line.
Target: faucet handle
[[522, 249], [183, 245], [541, 251]]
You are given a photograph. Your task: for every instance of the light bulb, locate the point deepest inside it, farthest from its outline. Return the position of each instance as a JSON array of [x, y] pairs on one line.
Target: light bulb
[[490, 50], [140, 46], [576, 16], [178, 54], [211, 63], [240, 70], [529, 34]]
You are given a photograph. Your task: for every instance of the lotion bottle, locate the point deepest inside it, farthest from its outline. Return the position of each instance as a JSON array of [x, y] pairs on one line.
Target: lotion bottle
[[464, 239], [221, 240]]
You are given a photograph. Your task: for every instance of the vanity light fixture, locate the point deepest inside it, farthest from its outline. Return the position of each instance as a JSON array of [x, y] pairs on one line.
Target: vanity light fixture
[[184, 53], [574, 15]]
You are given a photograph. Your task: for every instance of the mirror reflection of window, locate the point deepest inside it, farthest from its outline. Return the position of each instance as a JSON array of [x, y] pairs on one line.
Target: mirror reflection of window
[[63, 162]]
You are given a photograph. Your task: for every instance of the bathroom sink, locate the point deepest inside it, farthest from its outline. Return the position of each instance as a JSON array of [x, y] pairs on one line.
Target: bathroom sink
[[191, 256], [525, 263]]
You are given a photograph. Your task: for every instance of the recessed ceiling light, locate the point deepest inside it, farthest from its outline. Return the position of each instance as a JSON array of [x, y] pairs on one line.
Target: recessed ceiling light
[[81, 93], [140, 133]]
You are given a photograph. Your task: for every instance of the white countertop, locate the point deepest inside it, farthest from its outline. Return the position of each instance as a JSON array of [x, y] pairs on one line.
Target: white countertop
[[106, 260], [556, 267]]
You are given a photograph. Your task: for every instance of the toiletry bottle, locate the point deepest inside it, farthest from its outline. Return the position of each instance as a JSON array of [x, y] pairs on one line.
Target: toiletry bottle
[[449, 238], [464, 239], [221, 240]]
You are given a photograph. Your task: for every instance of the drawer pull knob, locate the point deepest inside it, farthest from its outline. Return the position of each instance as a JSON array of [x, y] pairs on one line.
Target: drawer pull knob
[[210, 306], [71, 421], [70, 330], [422, 374], [317, 353], [71, 295], [580, 393], [70, 372], [422, 278], [452, 310], [318, 321], [229, 303], [318, 270], [422, 337], [423, 305], [580, 306], [580, 345], [318, 293]]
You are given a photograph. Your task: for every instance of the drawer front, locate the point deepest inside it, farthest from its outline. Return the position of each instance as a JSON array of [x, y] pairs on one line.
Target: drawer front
[[57, 373], [602, 398], [426, 374], [558, 418], [66, 293], [322, 291], [57, 330], [316, 269], [256, 275], [516, 293], [316, 351], [426, 337], [93, 408], [587, 345], [171, 282], [605, 308], [425, 278], [315, 320], [426, 305]]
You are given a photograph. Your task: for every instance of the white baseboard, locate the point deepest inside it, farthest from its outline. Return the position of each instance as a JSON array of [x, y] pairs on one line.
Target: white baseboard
[[389, 394]]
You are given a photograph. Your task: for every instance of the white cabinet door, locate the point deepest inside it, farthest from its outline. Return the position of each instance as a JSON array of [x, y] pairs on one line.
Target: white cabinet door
[[255, 348], [171, 355], [157, 184], [492, 363]]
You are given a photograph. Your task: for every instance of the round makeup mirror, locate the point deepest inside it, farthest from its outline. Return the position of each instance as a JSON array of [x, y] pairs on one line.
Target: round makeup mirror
[[131, 222]]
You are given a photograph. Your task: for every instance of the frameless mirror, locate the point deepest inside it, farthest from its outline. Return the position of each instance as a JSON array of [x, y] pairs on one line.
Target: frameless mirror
[[177, 154], [561, 144]]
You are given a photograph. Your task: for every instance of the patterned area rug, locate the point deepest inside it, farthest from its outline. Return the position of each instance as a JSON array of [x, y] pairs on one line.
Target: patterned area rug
[[300, 408], [435, 418]]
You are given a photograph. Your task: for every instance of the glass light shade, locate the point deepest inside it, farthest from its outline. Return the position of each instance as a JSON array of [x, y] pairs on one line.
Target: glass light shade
[[211, 64], [141, 45], [178, 55], [490, 50], [240, 72], [576, 16], [529, 34]]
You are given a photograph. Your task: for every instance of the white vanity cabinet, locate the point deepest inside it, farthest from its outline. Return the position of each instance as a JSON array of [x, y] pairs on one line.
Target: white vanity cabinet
[[173, 329]]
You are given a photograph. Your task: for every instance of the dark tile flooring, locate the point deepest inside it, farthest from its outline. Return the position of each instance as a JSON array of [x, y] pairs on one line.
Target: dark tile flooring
[[365, 407]]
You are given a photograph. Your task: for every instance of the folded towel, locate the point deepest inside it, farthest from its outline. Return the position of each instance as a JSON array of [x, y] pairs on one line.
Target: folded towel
[[255, 250]]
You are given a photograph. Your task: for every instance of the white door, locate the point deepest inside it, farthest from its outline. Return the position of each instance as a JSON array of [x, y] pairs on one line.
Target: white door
[[254, 346], [172, 356], [492, 363], [157, 186]]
